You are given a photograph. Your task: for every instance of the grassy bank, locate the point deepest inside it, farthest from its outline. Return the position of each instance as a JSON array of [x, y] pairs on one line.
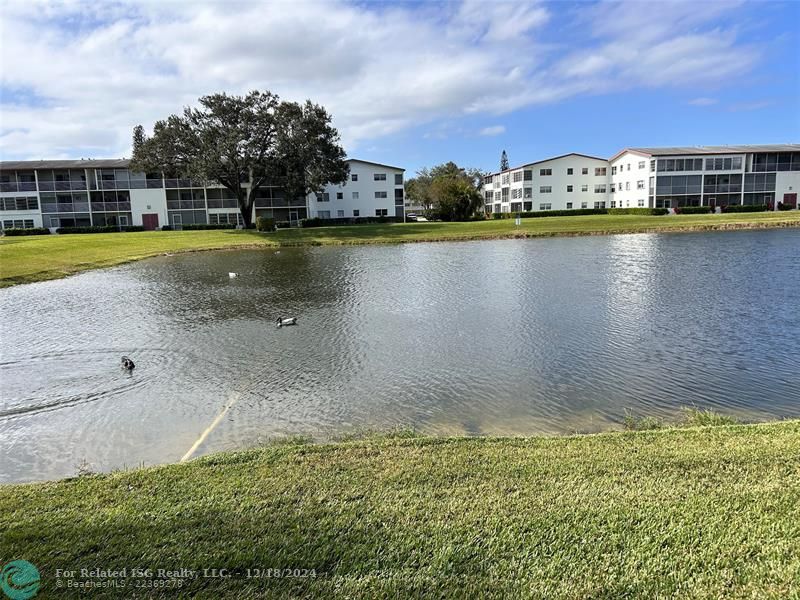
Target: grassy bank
[[36, 258], [701, 512]]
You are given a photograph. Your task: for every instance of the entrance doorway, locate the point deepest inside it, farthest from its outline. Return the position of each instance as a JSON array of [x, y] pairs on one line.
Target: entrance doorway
[[293, 218], [150, 221]]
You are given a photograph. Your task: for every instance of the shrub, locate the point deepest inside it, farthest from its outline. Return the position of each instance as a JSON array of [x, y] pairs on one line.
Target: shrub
[[166, 228], [265, 224], [737, 208], [196, 226], [638, 211], [282, 224], [552, 213], [315, 222], [100, 229], [782, 206], [29, 231], [692, 210]]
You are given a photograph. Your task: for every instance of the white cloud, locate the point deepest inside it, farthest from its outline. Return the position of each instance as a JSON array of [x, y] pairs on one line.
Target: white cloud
[[702, 101], [76, 80], [493, 130]]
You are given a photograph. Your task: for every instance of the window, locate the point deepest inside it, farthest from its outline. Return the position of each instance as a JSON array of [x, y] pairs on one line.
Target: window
[[381, 212], [599, 204], [528, 192], [614, 187], [323, 197], [340, 195], [585, 171], [545, 189], [642, 164], [516, 207], [569, 205], [398, 179], [355, 195], [569, 171], [584, 188], [652, 165], [528, 175], [356, 212], [569, 188], [516, 193], [381, 195], [640, 202], [19, 224], [545, 206], [613, 170], [26, 203], [340, 213], [627, 185], [629, 167], [614, 204], [600, 171], [323, 214], [544, 172], [516, 176], [600, 188], [379, 176], [584, 204], [640, 184], [504, 179], [353, 176]]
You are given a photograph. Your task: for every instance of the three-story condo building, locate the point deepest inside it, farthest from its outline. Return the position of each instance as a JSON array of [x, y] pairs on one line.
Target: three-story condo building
[[69, 193], [651, 177]]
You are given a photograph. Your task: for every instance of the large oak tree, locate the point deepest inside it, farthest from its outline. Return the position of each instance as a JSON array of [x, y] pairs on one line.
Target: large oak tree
[[447, 191], [246, 143]]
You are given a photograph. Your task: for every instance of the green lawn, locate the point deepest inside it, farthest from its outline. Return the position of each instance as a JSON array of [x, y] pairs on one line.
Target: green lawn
[[708, 512], [35, 258]]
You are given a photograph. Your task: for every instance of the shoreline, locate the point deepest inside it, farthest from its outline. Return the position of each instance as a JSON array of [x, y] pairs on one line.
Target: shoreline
[[311, 240], [644, 512]]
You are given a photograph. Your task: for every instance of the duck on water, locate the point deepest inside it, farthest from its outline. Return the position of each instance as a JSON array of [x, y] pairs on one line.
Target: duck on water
[[127, 364], [285, 321]]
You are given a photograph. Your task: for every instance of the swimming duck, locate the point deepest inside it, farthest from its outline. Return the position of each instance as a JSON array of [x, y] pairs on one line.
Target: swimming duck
[[282, 322], [127, 364]]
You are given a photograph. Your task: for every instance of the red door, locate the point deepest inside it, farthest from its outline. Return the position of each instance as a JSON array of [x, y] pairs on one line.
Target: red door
[[790, 200], [150, 221]]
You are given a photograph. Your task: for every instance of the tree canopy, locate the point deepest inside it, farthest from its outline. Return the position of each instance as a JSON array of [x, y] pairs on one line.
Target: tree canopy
[[245, 143], [447, 191]]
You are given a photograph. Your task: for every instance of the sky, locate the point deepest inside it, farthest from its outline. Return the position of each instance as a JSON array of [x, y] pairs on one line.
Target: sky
[[411, 84]]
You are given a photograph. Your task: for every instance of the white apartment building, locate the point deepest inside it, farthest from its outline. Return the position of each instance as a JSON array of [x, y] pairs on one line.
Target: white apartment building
[[565, 182], [70, 193], [371, 190], [651, 178]]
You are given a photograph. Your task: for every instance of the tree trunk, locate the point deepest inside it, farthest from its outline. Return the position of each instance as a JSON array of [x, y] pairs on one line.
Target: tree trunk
[[246, 206]]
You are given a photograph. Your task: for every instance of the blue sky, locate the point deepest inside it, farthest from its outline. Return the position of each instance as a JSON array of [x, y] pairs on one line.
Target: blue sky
[[409, 83]]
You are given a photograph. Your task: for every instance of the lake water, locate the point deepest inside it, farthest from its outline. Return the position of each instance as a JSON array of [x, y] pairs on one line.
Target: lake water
[[508, 337]]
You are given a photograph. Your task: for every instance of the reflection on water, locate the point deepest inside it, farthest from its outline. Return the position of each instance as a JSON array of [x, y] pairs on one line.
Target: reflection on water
[[507, 337]]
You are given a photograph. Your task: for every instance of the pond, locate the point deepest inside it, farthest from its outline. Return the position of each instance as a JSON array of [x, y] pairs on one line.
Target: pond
[[507, 337]]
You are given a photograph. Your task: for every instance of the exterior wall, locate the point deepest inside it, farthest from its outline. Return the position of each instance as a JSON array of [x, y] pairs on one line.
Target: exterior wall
[[365, 187], [147, 202], [787, 182], [9, 216], [628, 172]]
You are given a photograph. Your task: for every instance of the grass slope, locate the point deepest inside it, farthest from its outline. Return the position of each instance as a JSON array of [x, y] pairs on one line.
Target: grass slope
[[693, 513], [36, 258]]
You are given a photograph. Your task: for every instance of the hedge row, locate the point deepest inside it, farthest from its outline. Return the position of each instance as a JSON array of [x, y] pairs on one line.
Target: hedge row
[[99, 229], [738, 208], [28, 231], [315, 222], [581, 211], [195, 226]]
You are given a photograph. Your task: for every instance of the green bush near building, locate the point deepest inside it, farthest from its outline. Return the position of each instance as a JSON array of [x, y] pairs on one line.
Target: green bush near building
[[17, 231]]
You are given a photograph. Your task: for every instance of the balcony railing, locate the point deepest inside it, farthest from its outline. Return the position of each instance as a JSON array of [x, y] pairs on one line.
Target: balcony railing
[[22, 186]]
